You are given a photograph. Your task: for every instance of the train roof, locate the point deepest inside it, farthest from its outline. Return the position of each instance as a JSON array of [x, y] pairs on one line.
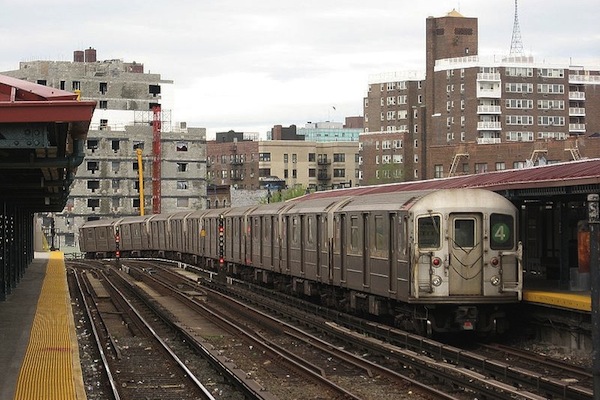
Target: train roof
[[100, 222]]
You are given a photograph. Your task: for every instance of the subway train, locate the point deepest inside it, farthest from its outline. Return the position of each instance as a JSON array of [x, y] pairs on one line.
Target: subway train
[[429, 261]]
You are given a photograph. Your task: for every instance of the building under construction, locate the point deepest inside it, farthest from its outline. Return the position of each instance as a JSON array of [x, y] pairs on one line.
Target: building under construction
[[131, 144]]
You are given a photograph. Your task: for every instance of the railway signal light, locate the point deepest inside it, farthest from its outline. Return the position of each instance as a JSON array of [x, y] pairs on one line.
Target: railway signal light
[[117, 240]]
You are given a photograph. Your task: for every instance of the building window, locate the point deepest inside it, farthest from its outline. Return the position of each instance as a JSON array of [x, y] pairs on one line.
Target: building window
[[500, 166], [519, 136], [103, 87], [154, 90], [76, 85], [519, 120], [182, 167], [93, 166], [115, 145], [294, 173], [103, 104], [312, 172], [480, 168], [551, 120], [551, 104], [339, 157], [264, 156], [115, 166], [519, 88], [285, 158], [182, 146], [92, 144], [182, 185], [312, 157], [439, 171], [294, 158], [551, 72], [183, 202], [93, 185], [264, 172], [138, 145], [93, 203], [285, 174]]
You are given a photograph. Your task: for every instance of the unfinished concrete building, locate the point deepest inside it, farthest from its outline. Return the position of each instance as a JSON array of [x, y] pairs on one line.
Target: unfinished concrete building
[[131, 114]]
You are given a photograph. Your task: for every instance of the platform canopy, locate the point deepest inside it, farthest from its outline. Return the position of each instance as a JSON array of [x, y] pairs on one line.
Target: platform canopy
[[42, 136]]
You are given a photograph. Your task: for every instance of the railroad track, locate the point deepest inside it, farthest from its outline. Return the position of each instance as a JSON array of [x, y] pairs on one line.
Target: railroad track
[[332, 372], [455, 373], [493, 377], [137, 361]]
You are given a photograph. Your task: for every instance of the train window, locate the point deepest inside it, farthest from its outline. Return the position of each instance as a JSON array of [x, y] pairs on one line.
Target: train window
[[429, 231], [309, 227], [354, 235], [380, 242], [464, 233], [336, 233], [256, 228], [295, 230], [501, 231]]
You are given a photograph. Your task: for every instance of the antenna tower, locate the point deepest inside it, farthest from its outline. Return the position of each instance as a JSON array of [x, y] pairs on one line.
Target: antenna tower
[[516, 45]]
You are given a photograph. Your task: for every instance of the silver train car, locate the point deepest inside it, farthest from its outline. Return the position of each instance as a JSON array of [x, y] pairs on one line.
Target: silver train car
[[431, 261]]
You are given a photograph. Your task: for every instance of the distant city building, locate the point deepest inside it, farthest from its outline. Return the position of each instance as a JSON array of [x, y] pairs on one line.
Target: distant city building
[[279, 132], [472, 114], [272, 164], [107, 183], [333, 131]]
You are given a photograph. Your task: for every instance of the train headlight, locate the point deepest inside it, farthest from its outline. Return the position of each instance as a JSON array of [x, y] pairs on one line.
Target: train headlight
[[495, 280], [436, 261], [436, 280], [495, 262]]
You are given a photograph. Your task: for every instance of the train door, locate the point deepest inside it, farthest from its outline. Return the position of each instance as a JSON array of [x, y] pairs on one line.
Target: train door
[[341, 243], [318, 242], [466, 255]]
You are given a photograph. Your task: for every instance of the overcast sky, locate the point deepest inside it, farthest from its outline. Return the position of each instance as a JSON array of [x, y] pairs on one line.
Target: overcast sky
[[250, 64]]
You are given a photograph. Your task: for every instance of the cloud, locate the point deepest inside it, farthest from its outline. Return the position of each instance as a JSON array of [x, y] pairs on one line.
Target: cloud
[[251, 65]]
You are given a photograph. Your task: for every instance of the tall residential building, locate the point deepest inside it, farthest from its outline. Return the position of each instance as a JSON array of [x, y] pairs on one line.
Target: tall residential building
[[107, 184], [478, 114], [394, 122]]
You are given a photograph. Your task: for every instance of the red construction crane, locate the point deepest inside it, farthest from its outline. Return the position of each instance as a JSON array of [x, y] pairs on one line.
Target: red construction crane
[[156, 159]]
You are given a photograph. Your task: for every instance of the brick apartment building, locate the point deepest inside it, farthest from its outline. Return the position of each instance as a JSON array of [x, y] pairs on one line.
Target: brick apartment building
[[471, 114]]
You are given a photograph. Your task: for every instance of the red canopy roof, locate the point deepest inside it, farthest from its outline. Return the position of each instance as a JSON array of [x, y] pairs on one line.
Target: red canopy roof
[[23, 101], [583, 172]]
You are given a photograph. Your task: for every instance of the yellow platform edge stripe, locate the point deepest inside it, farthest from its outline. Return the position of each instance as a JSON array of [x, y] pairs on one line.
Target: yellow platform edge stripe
[[51, 367], [565, 300]]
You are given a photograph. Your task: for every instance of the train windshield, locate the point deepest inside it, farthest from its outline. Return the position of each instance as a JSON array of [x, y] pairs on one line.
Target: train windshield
[[502, 231], [464, 233], [429, 232]]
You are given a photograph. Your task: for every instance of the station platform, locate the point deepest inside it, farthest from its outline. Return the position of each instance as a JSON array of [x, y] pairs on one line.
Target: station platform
[[39, 355], [554, 294], [569, 300]]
